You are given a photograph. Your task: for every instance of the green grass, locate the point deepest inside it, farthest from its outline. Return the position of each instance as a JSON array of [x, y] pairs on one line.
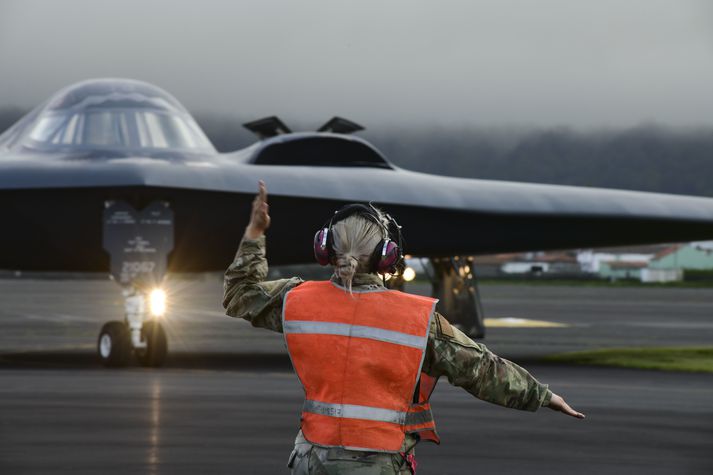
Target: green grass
[[699, 284], [691, 359]]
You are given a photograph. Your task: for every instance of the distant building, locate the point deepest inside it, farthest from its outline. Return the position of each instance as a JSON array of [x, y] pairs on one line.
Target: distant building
[[532, 263], [650, 263], [684, 256], [661, 275], [591, 259], [671, 263], [617, 270], [491, 266]]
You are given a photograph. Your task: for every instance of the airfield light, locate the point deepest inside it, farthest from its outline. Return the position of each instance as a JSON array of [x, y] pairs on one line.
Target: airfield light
[[157, 302], [409, 274]]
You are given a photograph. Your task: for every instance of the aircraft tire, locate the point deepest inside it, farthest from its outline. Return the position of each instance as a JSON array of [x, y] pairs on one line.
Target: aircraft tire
[[114, 344], [154, 354]]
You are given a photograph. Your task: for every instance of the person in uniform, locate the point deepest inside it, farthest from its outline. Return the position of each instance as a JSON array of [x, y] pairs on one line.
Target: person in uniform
[[368, 358]]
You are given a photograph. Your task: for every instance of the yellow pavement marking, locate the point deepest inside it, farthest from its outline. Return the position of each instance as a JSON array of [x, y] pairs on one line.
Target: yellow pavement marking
[[521, 323]]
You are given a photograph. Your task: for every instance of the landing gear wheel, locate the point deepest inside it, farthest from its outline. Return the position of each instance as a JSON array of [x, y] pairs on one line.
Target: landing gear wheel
[[114, 344], [156, 344]]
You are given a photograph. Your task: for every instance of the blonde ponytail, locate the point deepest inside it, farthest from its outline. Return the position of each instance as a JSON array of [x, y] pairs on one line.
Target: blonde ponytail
[[354, 241]]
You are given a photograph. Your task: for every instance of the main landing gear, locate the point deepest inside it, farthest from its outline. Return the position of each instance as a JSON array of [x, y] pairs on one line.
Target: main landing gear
[[455, 285]]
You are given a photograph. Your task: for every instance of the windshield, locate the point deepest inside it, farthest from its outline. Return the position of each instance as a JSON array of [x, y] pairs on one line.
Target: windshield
[[132, 129], [110, 117]]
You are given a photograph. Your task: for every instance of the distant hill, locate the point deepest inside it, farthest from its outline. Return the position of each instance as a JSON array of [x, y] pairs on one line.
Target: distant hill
[[647, 158]]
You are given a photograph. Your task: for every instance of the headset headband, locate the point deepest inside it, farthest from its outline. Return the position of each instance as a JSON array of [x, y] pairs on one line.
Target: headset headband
[[388, 255], [369, 212]]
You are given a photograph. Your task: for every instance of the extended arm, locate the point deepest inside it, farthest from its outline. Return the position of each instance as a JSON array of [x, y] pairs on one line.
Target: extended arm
[[246, 293], [485, 375]]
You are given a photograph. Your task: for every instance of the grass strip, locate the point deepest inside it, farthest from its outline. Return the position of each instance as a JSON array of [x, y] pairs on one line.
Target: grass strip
[[689, 359], [694, 284], [597, 283]]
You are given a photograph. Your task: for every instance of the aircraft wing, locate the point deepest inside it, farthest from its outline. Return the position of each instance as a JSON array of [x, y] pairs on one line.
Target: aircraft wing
[[51, 212]]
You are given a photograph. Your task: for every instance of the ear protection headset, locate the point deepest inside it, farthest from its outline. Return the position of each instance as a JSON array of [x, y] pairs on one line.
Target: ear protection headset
[[387, 256]]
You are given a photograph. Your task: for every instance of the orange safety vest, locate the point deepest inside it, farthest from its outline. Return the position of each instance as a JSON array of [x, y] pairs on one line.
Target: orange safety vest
[[359, 360]]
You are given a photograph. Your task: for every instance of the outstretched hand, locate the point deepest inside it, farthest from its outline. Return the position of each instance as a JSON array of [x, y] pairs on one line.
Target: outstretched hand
[[259, 217], [559, 404]]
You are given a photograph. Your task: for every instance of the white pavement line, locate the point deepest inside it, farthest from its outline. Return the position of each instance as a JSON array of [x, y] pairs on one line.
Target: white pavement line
[[509, 322], [207, 313], [57, 317]]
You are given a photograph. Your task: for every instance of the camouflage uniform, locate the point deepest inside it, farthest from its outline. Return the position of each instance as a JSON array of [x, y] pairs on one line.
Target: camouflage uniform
[[449, 353]]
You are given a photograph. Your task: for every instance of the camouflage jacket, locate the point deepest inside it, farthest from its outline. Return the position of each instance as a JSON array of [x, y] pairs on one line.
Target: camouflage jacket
[[449, 351]]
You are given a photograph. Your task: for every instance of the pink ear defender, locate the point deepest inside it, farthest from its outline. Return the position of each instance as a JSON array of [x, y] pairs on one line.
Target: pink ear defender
[[321, 250], [389, 257], [387, 254]]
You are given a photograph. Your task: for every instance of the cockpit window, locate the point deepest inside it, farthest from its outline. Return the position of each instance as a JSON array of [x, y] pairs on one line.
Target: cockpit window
[[127, 129]]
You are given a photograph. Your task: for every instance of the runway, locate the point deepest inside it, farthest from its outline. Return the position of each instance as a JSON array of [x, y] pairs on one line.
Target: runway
[[227, 401]]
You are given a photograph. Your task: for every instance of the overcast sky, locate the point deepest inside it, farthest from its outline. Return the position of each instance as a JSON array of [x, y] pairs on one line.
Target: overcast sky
[[583, 64]]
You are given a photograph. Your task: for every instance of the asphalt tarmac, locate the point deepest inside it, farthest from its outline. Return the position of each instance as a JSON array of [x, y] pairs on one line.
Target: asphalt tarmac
[[227, 401]]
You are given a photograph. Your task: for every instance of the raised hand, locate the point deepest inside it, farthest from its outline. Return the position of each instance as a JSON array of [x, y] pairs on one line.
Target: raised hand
[[559, 404], [259, 217]]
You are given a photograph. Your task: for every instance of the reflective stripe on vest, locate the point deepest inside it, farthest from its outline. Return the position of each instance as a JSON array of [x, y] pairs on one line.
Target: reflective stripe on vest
[[359, 357], [356, 331], [351, 411]]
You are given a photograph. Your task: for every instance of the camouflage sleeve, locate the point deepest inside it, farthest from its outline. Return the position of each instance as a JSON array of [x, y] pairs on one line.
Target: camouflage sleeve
[[482, 373], [246, 293]]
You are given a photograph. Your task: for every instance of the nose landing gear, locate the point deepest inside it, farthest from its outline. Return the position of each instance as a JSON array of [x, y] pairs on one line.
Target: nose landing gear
[[139, 243], [145, 338]]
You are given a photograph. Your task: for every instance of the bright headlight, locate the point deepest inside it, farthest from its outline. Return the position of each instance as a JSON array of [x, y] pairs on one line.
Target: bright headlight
[[157, 302], [409, 274]]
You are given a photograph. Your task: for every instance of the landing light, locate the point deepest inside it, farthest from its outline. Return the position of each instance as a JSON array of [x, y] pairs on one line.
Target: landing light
[[409, 274], [157, 302]]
